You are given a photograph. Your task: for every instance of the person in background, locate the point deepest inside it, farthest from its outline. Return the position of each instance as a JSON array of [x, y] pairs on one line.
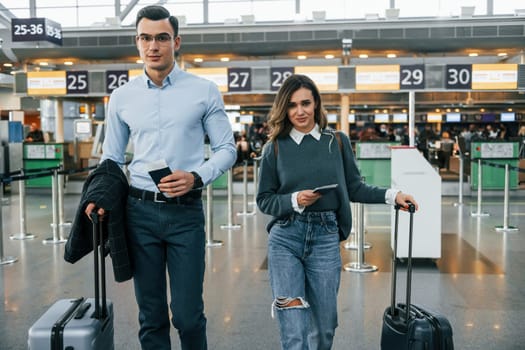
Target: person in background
[[166, 114], [34, 134], [304, 258]]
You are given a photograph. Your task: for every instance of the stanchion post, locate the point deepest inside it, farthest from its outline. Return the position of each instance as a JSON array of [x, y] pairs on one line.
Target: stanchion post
[[351, 243], [4, 260], [479, 213], [210, 242], [505, 227], [255, 181], [61, 221], [57, 237], [22, 213], [360, 265], [460, 182], [230, 225], [245, 211]]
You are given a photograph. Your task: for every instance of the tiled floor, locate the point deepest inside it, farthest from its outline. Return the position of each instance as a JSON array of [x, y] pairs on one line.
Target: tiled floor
[[479, 283]]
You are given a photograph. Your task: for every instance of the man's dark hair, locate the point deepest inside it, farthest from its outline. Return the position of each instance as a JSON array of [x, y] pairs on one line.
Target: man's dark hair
[[155, 13]]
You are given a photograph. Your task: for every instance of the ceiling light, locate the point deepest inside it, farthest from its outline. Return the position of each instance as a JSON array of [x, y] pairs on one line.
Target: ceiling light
[[68, 63], [391, 55], [473, 54], [329, 57], [509, 109], [502, 54], [301, 57], [8, 65], [198, 60], [225, 59], [44, 63], [363, 55], [139, 61]]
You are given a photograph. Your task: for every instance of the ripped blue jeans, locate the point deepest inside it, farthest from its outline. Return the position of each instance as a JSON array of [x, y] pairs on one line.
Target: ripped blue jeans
[[304, 263]]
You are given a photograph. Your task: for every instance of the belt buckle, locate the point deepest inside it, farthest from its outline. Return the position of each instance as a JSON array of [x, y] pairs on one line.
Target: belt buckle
[[156, 198]]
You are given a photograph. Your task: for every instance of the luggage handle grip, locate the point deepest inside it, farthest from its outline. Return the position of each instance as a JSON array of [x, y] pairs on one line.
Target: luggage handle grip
[[99, 266], [411, 210]]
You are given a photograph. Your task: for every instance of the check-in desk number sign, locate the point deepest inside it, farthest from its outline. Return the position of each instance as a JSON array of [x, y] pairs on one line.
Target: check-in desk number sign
[[412, 77], [116, 78], [279, 75], [459, 76], [239, 79], [77, 82]]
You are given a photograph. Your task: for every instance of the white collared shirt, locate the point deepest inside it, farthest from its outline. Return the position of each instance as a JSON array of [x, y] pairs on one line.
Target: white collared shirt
[[298, 136]]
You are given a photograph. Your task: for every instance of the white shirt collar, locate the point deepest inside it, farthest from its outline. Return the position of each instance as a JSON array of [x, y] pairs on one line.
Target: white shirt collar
[[297, 135]]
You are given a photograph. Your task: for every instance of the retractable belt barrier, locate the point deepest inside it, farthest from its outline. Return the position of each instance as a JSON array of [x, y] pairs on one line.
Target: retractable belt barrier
[[22, 175], [505, 227]]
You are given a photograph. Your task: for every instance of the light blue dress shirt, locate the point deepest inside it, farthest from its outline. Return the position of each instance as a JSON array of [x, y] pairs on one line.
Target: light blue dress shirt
[[169, 123]]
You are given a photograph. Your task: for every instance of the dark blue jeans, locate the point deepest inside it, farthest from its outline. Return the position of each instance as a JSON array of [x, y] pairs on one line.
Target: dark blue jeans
[[167, 235]]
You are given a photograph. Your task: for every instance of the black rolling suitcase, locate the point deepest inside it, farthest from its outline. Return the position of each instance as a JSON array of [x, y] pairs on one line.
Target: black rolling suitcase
[[408, 326], [79, 324]]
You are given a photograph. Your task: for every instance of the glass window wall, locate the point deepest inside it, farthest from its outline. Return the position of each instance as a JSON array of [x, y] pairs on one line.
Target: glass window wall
[[73, 13]]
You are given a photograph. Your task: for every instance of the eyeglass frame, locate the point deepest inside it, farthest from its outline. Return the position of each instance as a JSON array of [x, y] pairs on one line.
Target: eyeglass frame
[[161, 38]]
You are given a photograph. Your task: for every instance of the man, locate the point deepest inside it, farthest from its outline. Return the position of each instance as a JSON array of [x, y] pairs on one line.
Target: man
[[166, 114], [34, 134]]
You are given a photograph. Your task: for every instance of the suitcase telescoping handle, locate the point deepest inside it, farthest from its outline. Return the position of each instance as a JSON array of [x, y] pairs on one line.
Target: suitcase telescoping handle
[[100, 266], [411, 210]]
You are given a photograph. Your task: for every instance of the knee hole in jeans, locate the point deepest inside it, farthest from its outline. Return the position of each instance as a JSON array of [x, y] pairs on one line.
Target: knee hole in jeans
[[283, 303]]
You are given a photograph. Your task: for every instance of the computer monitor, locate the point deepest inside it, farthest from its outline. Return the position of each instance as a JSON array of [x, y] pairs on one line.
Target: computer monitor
[[400, 118], [508, 117], [381, 118], [453, 117], [83, 127], [434, 117]]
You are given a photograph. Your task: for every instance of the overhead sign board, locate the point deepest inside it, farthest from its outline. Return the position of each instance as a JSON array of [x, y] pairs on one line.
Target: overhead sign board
[[218, 75], [46, 83], [324, 77], [36, 29], [377, 78], [494, 76]]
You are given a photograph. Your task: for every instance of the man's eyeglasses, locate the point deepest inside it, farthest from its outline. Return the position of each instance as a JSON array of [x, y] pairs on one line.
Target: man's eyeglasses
[[162, 38]]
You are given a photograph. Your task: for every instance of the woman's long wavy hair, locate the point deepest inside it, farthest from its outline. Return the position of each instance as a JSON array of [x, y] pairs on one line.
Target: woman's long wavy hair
[[278, 122]]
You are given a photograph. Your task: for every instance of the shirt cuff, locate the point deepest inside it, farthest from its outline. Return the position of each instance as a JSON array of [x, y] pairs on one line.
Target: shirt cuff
[[390, 196], [298, 208]]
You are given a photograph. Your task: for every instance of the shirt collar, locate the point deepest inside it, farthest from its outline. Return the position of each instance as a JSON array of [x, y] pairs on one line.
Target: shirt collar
[[298, 136], [169, 80]]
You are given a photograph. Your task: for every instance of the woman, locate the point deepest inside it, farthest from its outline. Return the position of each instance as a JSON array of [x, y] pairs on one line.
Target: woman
[[303, 247]]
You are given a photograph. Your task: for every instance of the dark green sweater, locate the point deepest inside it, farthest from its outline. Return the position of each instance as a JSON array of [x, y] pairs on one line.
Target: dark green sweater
[[308, 165]]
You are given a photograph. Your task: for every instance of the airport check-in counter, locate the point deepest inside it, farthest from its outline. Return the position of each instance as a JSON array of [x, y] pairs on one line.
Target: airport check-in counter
[[498, 154], [39, 155], [373, 161]]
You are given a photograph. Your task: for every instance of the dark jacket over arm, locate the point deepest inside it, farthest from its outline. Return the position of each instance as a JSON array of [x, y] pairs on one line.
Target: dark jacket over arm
[[107, 187]]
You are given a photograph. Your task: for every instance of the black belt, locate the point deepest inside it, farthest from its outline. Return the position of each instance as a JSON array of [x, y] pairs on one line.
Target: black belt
[[188, 198]]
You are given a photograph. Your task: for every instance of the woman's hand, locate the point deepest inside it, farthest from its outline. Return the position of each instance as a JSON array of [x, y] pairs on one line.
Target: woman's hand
[[404, 199], [307, 197]]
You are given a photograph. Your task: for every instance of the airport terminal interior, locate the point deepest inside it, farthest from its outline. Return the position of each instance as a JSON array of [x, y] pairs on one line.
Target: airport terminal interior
[[431, 94]]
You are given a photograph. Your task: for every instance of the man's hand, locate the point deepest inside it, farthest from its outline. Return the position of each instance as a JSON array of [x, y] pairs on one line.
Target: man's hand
[[177, 184], [90, 207], [404, 199]]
